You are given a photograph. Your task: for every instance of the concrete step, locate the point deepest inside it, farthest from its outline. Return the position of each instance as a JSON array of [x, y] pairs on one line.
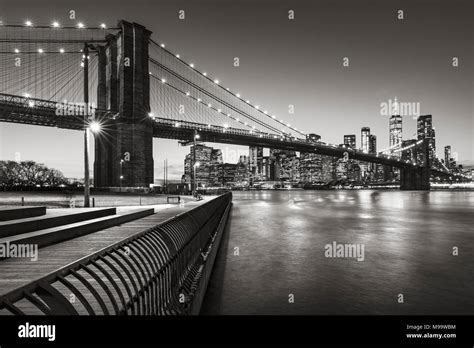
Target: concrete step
[[52, 219], [49, 236], [13, 213]]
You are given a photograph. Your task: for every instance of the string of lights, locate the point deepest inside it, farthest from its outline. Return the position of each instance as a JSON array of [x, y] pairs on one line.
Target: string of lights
[[56, 25], [215, 98], [236, 95], [210, 106]]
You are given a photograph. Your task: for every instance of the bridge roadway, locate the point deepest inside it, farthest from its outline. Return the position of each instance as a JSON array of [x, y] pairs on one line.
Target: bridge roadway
[[17, 272], [17, 109]]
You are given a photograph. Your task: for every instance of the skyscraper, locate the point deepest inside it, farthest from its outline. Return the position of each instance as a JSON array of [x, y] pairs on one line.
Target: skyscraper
[[425, 130], [364, 146], [255, 163], [373, 150], [395, 133], [372, 144], [310, 164], [447, 156], [350, 141], [364, 139]]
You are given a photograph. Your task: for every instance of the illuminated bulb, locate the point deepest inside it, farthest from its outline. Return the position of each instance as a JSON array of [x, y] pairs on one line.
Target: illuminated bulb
[[80, 25], [177, 56], [237, 95], [162, 45], [40, 50], [31, 103], [216, 82], [103, 26], [226, 125], [209, 105], [218, 110], [265, 112], [163, 81], [55, 25], [227, 89], [176, 124], [28, 23], [150, 114], [187, 93], [228, 115], [256, 107], [247, 101], [95, 127], [191, 65], [273, 116], [61, 50], [199, 100], [17, 50], [204, 73]]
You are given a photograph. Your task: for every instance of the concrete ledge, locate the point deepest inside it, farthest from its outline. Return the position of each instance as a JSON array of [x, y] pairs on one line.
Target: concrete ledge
[[55, 235], [15, 213], [14, 227]]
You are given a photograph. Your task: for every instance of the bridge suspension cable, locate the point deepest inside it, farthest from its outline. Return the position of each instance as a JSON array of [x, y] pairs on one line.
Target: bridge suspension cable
[[214, 87], [44, 62], [225, 109]]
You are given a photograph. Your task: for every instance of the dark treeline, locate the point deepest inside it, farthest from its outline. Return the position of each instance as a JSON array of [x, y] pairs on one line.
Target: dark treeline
[[29, 174]]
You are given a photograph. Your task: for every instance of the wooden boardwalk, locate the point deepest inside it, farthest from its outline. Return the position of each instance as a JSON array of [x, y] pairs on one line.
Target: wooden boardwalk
[[16, 272]]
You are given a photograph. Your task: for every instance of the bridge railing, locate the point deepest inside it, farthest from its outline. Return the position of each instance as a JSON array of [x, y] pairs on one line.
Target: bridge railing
[[160, 271], [221, 129]]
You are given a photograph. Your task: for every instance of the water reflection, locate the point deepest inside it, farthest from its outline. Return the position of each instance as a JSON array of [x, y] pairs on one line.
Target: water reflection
[[408, 239]]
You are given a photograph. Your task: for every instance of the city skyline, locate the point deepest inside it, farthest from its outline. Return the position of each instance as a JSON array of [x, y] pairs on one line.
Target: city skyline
[[330, 100]]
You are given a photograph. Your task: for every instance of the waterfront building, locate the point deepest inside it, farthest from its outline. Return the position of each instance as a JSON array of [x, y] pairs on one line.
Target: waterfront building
[[425, 130], [395, 133], [350, 141]]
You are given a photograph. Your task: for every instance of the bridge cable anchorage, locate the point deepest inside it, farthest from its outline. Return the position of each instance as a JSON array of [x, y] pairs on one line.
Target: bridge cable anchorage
[[226, 90], [215, 98]]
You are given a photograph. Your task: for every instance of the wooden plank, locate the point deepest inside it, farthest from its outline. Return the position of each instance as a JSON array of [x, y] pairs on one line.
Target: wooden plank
[[16, 272]]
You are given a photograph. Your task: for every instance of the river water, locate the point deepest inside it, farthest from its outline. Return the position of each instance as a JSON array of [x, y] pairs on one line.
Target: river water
[[274, 258]]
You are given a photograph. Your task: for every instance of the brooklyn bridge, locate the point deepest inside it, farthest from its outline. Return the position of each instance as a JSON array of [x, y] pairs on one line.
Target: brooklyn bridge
[[126, 88]]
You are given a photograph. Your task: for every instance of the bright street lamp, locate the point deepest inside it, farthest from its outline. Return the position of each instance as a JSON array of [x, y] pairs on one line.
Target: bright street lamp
[[95, 127]]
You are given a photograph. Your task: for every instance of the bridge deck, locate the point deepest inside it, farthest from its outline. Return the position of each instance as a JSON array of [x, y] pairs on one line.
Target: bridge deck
[[16, 272]]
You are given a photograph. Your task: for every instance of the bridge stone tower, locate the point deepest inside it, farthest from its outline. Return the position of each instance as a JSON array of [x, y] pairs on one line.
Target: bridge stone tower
[[125, 146], [417, 178]]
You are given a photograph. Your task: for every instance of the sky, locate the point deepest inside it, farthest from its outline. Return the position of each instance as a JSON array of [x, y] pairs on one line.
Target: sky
[[290, 62]]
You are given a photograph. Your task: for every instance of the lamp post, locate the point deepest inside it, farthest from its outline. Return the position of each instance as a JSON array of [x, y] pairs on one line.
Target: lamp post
[[121, 174], [87, 189], [195, 178], [193, 182]]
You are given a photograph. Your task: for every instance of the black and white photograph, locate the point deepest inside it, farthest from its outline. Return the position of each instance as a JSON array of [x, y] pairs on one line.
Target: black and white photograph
[[171, 169]]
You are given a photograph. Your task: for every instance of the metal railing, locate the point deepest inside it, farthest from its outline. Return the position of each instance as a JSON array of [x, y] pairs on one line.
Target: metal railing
[[161, 271]]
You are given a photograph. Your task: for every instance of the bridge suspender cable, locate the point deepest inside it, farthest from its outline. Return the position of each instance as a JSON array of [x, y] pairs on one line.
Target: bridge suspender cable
[[242, 113], [273, 118]]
